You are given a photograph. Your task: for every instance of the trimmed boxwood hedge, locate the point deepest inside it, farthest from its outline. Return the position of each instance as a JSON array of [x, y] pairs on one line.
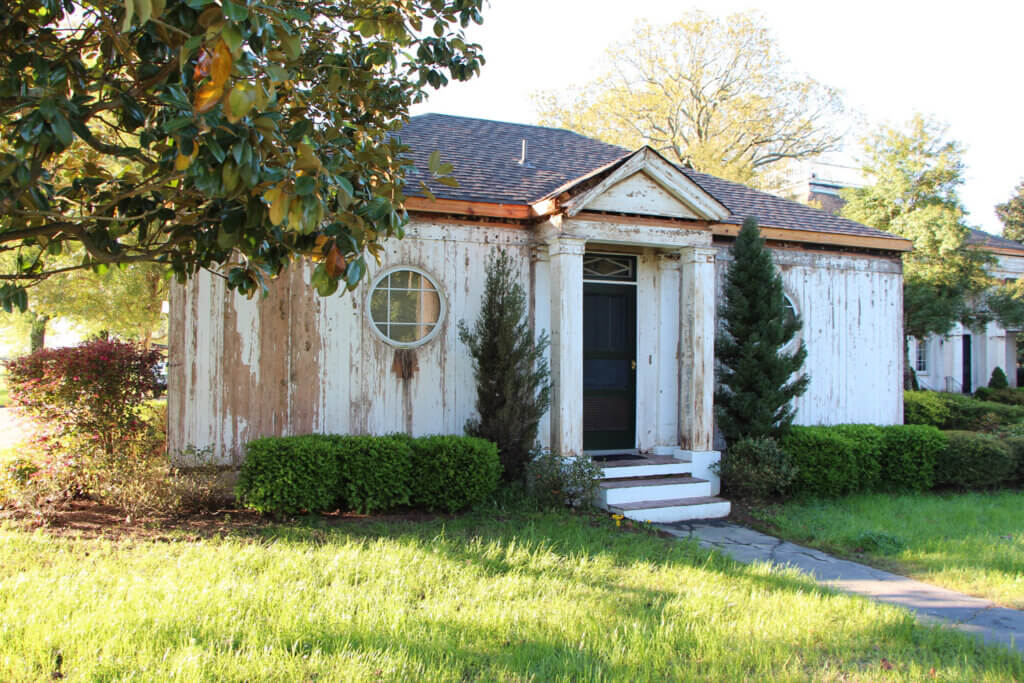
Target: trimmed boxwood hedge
[[842, 459], [315, 473], [957, 411], [288, 475], [452, 473], [974, 461]]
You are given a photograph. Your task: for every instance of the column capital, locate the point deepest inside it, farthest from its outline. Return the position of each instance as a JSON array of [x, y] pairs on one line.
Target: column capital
[[668, 259], [575, 246], [698, 254]]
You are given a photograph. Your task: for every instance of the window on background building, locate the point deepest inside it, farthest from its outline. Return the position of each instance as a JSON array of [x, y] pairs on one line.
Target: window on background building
[[406, 308], [921, 364]]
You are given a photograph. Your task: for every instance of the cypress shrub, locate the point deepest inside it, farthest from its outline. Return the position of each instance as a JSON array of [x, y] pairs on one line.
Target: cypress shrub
[[513, 388], [757, 380], [452, 473], [974, 461], [998, 379]]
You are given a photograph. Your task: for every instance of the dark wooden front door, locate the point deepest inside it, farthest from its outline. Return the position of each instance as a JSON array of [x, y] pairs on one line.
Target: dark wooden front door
[[609, 366], [967, 364]]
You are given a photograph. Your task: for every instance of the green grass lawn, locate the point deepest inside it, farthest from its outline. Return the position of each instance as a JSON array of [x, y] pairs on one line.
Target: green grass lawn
[[498, 596], [969, 542]]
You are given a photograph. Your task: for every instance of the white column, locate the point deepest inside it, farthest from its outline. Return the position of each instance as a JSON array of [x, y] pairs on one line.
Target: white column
[[697, 348], [566, 267], [668, 348]]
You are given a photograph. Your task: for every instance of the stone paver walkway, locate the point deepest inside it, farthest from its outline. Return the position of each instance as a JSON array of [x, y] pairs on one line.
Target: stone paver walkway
[[932, 604]]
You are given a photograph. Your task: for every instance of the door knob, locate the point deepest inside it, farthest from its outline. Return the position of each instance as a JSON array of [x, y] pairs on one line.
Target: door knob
[[632, 364]]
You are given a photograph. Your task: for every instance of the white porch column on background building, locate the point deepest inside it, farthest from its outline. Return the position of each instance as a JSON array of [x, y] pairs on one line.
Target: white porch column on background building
[[697, 348], [566, 259]]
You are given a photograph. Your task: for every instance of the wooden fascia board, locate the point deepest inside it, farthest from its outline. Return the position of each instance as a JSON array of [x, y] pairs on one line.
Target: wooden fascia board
[[465, 208], [646, 160], [815, 237], [1001, 251]]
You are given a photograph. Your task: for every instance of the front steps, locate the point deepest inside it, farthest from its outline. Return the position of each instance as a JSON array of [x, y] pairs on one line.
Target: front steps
[[657, 488]]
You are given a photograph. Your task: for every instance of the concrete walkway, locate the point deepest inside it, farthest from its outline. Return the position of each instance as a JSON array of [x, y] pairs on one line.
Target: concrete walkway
[[932, 604]]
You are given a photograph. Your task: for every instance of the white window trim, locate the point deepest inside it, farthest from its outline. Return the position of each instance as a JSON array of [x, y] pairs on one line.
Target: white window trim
[[922, 346], [441, 314], [794, 343]]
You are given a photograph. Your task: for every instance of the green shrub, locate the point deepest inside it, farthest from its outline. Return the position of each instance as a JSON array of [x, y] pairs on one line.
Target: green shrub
[[958, 411], [374, 472], [908, 455], [1009, 396], [1016, 446], [998, 379], [289, 474], [554, 482], [869, 439], [876, 542], [828, 463], [452, 473], [968, 413], [925, 408], [972, 460], [756, 469]]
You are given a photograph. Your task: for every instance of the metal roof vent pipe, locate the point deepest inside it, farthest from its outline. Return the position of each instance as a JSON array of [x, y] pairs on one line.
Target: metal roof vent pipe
[[522, 158]]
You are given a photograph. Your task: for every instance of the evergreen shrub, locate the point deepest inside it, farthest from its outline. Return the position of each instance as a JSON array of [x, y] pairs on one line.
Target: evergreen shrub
[[452, 473], [870, 441], [998, 379], [925, 408], [828, 463], [757, 379], [907, 457], [374, 472], [513, 388], [1009, 395], [1016, 446], [289, 475], [974, 461], [959, 411], [756, 470]]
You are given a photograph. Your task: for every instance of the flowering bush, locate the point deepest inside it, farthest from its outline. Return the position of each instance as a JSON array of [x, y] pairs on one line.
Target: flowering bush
[[86, 402]]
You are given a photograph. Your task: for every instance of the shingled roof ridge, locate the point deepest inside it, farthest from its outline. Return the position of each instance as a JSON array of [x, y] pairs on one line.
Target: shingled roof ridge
[[533, 126], [987, 239]]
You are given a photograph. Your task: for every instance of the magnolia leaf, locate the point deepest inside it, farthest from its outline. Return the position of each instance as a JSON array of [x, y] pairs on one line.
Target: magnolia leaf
[[229, 176], [129, 14], [291, 45], [305, 185], [240, 101], [233, 38], [235, 12], [279, 202], [434, 162], [144, 9], [207, 96], [335, 262], [220, 64], [306, 159], [158, 7]]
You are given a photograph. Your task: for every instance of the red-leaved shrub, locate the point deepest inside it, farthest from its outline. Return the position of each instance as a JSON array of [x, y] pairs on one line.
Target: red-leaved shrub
[[86, 402]]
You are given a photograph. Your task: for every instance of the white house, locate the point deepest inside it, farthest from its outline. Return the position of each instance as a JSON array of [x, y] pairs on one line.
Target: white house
[[964, 359], [622, 255]]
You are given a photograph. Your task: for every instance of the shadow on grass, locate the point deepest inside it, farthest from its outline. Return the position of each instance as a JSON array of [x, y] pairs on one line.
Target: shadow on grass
[[486, 544]]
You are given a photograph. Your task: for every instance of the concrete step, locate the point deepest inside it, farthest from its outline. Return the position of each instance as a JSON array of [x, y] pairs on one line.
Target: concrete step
[[674, 510], [635, 489], [654, 465]]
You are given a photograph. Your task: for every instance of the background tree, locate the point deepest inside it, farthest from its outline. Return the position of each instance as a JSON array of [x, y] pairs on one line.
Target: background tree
[[1012, 215], [200, 134], [513, 389], [757, 379], [916, 174], [714, 94]]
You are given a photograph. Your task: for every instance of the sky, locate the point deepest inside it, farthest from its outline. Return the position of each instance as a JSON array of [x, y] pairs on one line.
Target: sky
[[958, 61]]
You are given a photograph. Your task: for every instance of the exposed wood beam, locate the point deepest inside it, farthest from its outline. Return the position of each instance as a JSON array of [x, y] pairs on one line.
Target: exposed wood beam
[[1002, 251], [464, 208], [824, 238]]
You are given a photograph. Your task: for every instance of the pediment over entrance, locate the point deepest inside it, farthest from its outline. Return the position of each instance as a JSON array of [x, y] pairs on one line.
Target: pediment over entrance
[[647, 184], [641, 194]]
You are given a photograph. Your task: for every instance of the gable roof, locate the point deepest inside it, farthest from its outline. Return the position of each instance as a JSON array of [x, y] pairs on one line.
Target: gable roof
[[986, 240], [486, 156]]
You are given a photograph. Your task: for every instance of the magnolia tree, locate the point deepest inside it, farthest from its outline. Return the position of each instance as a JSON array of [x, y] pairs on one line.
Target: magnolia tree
[[199, 134]]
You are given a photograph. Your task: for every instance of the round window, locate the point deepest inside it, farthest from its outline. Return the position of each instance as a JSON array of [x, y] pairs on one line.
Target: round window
[[405, 307], [789, 314]]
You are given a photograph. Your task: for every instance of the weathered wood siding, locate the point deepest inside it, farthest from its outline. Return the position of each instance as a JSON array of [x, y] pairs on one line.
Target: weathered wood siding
[[294, 363], [851, 306]]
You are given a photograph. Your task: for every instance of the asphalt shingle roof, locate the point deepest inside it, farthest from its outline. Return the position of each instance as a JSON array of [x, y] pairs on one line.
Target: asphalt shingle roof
[[985, 239], [486, 157]]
